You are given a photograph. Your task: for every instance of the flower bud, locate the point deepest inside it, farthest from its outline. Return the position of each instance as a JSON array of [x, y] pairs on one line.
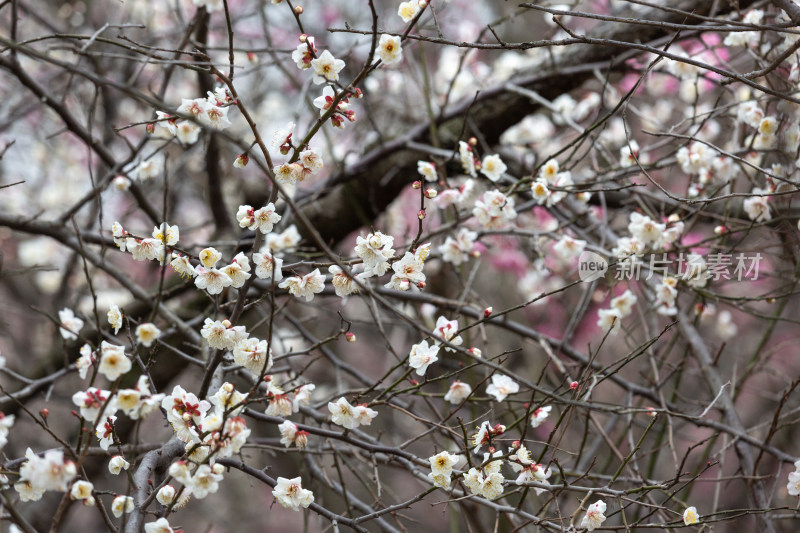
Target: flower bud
[[44, 413], [226, 323], [719, 230], [421, 285], [414, 382], [423, 4], [492, 449], [303, 37], [430, 193], [151, 128], [651, 412], [217, 468], [516, 444], [416, 185], [241, 160], [165, 495], [475, 351], [473, 141], [298, 10], [351, 337], [574, 385], [488, 311], [673, 218], [421, 214]]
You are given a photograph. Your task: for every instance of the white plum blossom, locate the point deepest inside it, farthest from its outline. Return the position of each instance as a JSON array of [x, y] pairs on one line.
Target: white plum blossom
[[540, 415], [211, 279], [113, 362], [50, 472], [70, 324], [690, 516], [421, 356], [252, 354], [458, 250], [349, 416], [304, 53], [494, 210], [502, 386], [375, 250], [122, 504], [568, 248], [238, 270], [594, 516], [114, 316], [147, 334], [408, 10], [326, 68], [458, 392], [206, 480], [442, 465], [343, 284], [185, 412], [305, 286], [268, 266], [291, 495], [487, 481], [91, 401], [389, 49], [117, 464], [447, 329], [427, 170], [467, 158], [757, 207], [407, 271], [162, 524], [262, 219], [222, 334], [493, 167]]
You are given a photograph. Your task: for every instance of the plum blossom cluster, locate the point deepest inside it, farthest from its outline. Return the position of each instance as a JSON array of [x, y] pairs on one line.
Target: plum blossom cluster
[[211, 112]]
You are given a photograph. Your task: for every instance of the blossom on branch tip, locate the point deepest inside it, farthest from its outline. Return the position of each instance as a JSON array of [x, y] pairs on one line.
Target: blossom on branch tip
[[147, 333], [70, 324], [389, 49]]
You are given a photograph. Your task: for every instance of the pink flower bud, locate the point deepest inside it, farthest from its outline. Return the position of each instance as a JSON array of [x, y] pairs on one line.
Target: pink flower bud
[[421, 285], [488, 311], [351, 337], [241, 161], [430, 193], [719, 230], [574, 385], [414, 382], [516, 444], [416, 185], [492, 449], [421, 214], [473, 141], [651, 412], [151, 128]]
